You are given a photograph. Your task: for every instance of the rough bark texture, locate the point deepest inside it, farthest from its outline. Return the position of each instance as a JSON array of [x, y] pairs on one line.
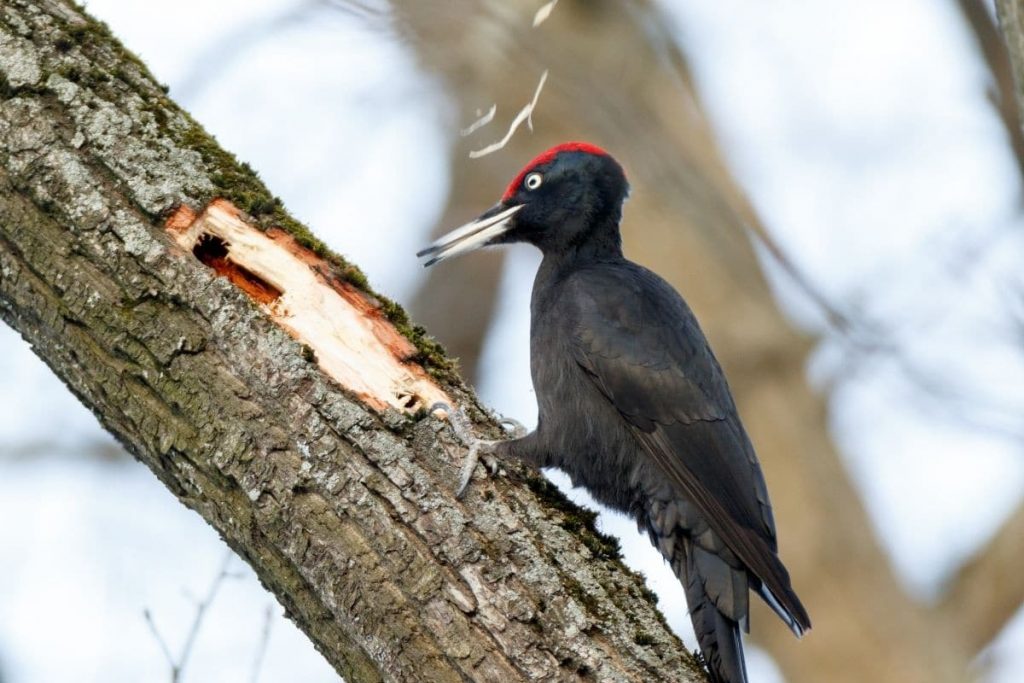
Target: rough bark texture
[[346, 514], [617, 79]]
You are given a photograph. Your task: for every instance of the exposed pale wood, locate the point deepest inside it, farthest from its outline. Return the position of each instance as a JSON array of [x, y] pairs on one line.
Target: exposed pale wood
[[349, 337]]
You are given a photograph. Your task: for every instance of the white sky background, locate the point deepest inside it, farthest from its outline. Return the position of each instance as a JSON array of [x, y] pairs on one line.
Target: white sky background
[[857, 127]]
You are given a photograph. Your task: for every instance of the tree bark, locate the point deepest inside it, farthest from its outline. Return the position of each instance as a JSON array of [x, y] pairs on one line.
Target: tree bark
[[339, 494]]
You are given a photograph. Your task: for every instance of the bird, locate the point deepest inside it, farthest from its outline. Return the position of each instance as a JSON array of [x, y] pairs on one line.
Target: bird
[[632, 403]]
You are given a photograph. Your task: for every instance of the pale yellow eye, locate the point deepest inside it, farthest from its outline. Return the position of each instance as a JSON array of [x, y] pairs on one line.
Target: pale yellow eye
[[533, 181]]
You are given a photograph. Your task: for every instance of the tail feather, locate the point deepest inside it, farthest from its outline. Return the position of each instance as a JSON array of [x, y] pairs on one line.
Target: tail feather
[[717, 635], [795, 623]]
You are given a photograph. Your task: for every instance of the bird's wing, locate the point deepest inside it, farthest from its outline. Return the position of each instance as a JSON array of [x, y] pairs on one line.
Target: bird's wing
[[642, 347]]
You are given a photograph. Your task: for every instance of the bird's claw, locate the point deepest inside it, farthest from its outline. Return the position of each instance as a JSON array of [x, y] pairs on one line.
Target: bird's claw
[[515, 428], [479, 449]]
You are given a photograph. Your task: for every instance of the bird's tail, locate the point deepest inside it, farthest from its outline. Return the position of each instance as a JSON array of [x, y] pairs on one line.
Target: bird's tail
[[717, 635]]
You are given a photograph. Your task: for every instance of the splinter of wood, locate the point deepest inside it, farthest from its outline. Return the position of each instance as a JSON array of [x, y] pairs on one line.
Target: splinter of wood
[[350, 338]]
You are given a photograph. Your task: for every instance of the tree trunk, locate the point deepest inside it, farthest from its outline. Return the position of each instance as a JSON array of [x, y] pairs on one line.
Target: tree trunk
[[184, 324]]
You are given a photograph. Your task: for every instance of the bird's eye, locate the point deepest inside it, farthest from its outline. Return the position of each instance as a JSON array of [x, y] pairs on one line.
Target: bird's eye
[[533, 181]]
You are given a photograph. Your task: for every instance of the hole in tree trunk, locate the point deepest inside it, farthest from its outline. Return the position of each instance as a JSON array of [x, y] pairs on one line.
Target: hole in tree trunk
[[408, 400], [214, 252]]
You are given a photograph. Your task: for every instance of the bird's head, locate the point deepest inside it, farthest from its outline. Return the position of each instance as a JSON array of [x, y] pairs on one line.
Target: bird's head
[[568, 196]]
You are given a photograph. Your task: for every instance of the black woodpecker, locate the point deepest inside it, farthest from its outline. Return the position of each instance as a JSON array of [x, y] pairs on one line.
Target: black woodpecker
[[632, 403]]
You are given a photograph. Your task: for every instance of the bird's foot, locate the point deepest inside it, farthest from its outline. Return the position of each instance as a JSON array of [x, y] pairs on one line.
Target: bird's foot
[[479, 449], [515, 428]]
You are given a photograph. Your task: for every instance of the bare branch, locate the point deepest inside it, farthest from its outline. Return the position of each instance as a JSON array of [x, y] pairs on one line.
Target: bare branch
[[148, 616], [178, 665], [197, 621], [261, 648]]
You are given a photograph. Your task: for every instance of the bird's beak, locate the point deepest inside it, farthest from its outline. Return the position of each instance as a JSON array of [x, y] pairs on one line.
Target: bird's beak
[[490, 225]]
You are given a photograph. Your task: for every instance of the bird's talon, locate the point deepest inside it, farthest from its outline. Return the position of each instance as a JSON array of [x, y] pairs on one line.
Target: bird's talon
[[461, 426], [468, 465], [442, 406], [491, 463], [515, 428], [480, 449]]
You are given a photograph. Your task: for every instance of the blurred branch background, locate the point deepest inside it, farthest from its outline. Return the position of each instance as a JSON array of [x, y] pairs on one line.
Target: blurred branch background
[[836, 189]]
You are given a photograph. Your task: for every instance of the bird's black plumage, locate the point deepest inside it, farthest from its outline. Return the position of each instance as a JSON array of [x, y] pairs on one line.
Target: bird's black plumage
[[632, 403]]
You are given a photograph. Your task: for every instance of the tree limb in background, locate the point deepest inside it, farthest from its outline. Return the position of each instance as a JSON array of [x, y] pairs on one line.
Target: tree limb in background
[[988, 591], [1011, 21], [1003, 94], [157, 277]]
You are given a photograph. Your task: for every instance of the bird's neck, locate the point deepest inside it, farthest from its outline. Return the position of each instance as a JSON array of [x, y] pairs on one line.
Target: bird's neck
[[558, 264], [599, 243]]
